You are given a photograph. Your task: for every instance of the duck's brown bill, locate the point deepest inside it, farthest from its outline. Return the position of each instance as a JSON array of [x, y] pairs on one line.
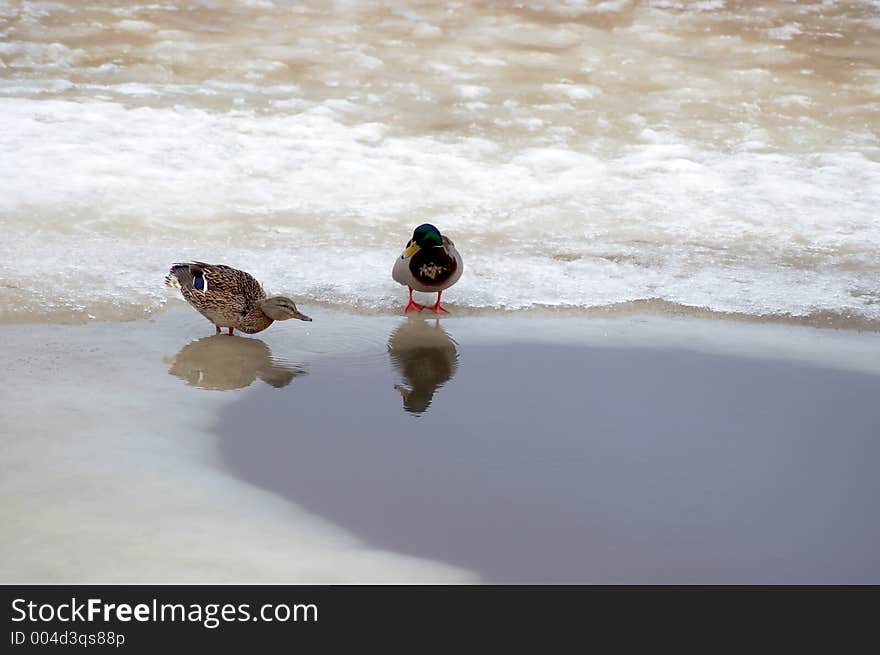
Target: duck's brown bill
[[301, 316]]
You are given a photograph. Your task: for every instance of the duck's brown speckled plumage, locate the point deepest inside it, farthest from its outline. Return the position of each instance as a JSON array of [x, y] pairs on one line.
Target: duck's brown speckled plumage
[[231, 298]]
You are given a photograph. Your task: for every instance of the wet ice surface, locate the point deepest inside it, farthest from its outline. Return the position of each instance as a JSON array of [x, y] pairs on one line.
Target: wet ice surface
[[109, 469], [532, 462], [383, 449], [714, 154]]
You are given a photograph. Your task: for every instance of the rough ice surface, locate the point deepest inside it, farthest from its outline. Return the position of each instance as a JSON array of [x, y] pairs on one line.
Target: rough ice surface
[[580, 154]]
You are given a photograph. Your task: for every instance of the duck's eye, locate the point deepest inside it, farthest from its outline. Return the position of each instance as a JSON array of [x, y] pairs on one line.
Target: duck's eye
[[200, 283]]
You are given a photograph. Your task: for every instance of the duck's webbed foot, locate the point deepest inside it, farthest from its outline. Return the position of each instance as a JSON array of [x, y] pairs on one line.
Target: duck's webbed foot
[[438, 308], [412, 304]]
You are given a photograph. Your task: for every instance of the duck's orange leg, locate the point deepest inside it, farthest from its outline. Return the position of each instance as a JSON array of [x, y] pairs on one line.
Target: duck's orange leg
[[437, 307], [230, 331], [412, 304], [218, 328]]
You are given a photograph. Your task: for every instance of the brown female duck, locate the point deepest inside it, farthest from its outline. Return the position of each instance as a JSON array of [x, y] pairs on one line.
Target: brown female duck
[[229, 297]]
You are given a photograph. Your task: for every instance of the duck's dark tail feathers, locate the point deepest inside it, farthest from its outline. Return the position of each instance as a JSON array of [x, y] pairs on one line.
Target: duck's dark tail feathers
[[179, 277]]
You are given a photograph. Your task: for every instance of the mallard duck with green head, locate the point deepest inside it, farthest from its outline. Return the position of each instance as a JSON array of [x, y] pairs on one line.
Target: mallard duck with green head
[[229, 297], [430, 264]]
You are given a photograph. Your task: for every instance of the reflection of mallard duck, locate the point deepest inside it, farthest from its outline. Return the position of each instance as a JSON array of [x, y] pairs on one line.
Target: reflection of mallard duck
[[229, 297], [429, 263], [222, 363], [426, 358]]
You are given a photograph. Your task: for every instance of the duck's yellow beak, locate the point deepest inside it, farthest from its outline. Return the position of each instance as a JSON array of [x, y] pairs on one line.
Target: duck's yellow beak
[[403, 391], [411, 249]]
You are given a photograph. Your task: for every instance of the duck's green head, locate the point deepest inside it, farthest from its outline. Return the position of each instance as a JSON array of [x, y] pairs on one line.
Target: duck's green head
[[424, 236]]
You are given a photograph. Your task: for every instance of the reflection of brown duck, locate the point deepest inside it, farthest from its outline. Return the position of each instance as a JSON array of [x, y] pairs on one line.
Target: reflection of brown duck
[[426, 357], [221, 362]]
